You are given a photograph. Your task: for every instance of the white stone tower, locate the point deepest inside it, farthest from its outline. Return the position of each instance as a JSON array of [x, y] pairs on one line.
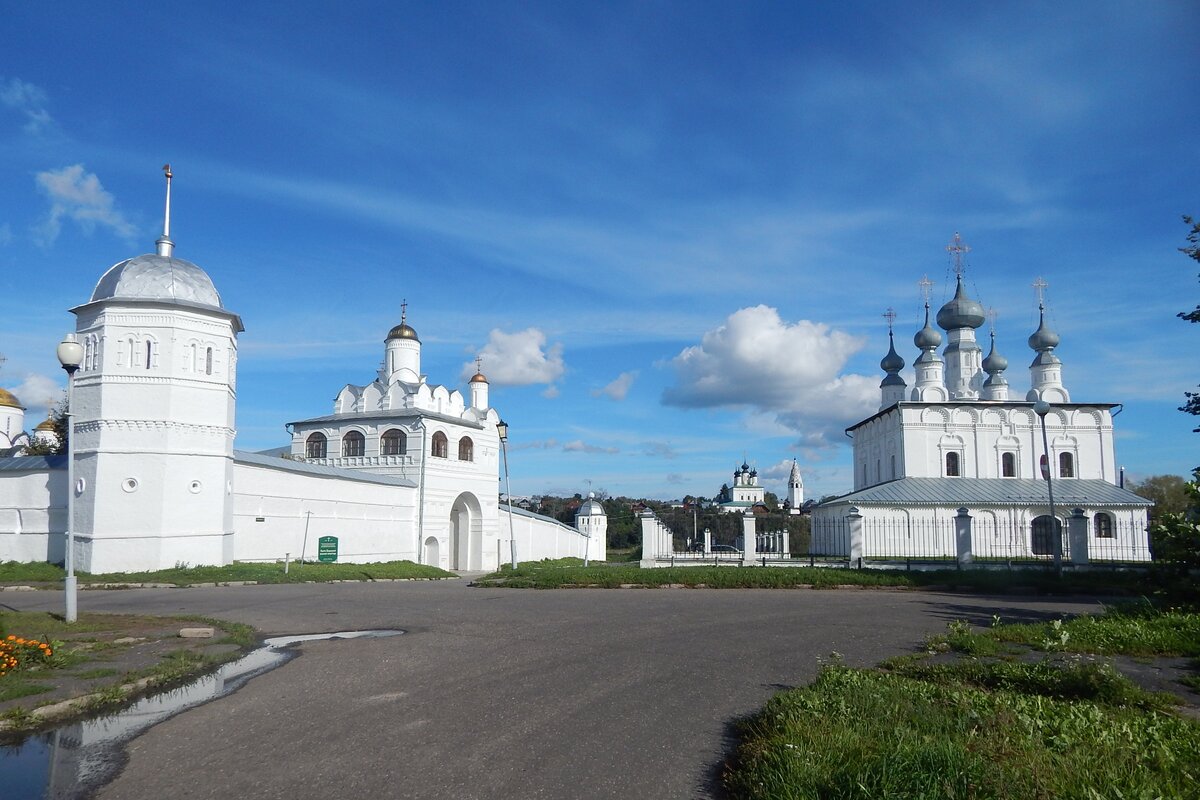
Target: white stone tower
[[403, 351], [1045, 373], [479, 388], [795, 490], [154, 416], [592, 522], [959, 318]]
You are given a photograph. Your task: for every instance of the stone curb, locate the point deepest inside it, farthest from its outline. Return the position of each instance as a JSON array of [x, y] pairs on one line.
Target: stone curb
[[111, 586]]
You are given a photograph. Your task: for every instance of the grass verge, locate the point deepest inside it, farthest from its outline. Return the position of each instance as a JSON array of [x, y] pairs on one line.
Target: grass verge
[[984, 727], [13, 572], [570, 573]]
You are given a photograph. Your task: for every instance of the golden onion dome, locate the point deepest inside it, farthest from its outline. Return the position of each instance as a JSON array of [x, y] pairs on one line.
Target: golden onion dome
[[9, 399], [46, 425], [403, 331], [478, 378]]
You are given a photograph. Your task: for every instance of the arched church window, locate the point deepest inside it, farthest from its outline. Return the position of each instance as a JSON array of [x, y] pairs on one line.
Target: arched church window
[[149, 353], [1008, 465], [208, 361], [1102, 524], [131, 348], [315, 446], [1066, 465], [393, 443], [441, 448], [354, 444], [953, 469], [466, 449]]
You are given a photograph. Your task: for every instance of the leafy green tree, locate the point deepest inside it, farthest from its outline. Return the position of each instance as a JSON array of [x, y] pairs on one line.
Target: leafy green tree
[[1192, 251], [1170, 493], [58, 416]]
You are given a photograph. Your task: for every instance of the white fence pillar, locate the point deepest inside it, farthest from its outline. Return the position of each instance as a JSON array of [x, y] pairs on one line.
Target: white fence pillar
[[1077, 537], [786, 544], [962, 537], [854, 522], [707, 541], [649, 539], [748, 537]]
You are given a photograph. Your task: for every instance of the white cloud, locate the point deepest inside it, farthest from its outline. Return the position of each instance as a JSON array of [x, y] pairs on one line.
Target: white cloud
[[78, 195], [580, 446], [27, 99], [757, 361], [778, 472], [660, 450], [618, 388], [38, 393], [550, 392], [519, 359]]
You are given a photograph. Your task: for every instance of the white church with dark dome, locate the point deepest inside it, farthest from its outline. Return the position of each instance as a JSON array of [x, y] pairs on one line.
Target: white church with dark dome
[[961, 447], [401, 468]]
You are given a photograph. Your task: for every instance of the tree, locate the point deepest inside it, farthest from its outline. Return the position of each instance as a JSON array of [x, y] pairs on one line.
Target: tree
[[1169, 493], [1192, 251], [58, 416]]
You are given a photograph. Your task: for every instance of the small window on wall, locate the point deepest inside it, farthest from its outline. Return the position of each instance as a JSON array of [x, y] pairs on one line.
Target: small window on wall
[[1102, 524], [208, 361], [953, 470], [1066, 465], [466, 449], [149, 353], [393, 443], [315, 446], [354, 444], [1008, 465], [441, 448]]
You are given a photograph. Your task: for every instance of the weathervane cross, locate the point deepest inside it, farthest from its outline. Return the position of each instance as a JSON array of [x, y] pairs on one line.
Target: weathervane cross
[[890, 316], [403, 310], [1039, 286], [958, 250], [926, 287]]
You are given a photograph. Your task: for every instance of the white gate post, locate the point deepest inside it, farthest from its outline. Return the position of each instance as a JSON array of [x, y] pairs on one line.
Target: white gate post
[[962, 537], [1077, 537], [748, 537], [707, 542], [857, 548], [649, 538]]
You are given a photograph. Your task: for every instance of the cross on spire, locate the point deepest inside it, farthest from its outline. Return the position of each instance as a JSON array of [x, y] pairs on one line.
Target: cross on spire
[[403, 310], [479, 365], [1039, 286], [926, 287], [991, 317], [890, 316], [958, 250]]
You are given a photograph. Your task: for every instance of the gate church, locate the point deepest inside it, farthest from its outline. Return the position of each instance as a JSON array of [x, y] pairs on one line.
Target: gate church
[[402, 469]]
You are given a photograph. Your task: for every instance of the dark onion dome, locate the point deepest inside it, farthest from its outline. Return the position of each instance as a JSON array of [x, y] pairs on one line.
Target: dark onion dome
[[403, 331], [892, 362], [994, 362], [160, 279], [961, 312], [1043, 338], [10, 400], [476, 378], [745, 467], [928, 337]]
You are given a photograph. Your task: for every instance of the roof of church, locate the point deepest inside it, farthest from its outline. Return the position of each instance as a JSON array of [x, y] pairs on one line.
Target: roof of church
[[32, 463], [591, 507], [9, 399], [362, 476], [392, 413], [1068, 492], [155, 277]]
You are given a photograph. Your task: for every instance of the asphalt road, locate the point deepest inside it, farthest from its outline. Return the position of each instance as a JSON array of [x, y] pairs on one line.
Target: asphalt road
[[505, 693]]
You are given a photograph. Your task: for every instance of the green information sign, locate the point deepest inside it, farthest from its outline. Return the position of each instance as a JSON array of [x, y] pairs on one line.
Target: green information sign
[[327, 549]]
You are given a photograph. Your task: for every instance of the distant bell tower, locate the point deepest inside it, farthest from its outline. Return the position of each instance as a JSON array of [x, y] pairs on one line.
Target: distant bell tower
[[795, 490], [154, 415]]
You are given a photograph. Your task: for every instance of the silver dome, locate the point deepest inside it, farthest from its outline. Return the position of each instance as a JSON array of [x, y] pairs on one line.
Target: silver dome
[[590, 508], [961, 311], [159, 278], [1043, 339], [994, 363], [892, 362], [927, 337]]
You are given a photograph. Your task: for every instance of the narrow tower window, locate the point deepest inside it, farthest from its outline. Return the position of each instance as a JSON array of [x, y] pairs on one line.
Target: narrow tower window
[[1066, 465], [441, 448], [952, 466], [149, 353], [466, 449], [208, 361], [1008, 465]]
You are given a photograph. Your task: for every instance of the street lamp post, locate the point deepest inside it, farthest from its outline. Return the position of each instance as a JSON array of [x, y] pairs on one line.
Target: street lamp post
[[1042, 408], [70, 355], [502, 430]]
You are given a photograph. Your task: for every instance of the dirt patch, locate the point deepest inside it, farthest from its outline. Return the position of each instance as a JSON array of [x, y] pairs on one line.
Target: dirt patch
[[103, 652]]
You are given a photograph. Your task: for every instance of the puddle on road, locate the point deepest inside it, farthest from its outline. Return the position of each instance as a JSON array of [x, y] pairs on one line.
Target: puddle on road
[[83, 756]]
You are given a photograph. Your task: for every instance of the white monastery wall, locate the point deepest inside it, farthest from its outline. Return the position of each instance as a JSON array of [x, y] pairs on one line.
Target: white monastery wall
[[33, 514]]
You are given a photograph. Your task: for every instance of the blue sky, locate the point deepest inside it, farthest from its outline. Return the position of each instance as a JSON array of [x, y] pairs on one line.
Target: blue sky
[[671, 229]]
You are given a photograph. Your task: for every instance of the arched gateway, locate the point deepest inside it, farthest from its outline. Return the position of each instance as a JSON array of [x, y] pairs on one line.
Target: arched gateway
[[466, 533]]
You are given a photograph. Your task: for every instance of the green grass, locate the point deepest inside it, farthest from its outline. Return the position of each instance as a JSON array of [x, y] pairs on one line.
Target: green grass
[[1132, 630], [868, 734], [570, 573], [259, 572], [14, 687]]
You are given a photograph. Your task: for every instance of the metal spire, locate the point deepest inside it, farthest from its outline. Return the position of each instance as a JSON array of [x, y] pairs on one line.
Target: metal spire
[[165, 246]]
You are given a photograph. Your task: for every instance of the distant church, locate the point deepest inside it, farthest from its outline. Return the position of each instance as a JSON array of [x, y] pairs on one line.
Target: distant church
[[960, 439], [402, 469]]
